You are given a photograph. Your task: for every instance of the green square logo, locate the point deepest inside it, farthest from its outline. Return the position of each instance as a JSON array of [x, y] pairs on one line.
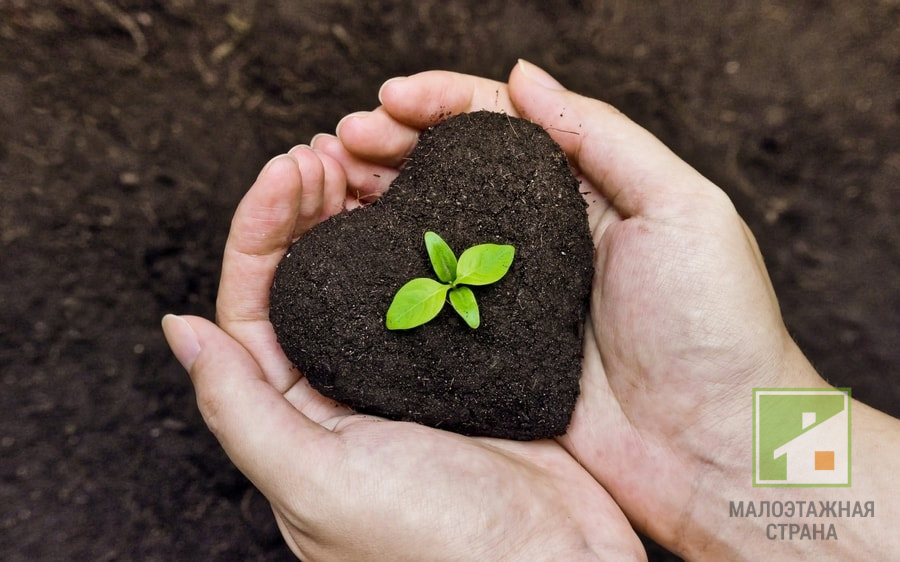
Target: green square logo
[[801, 437]]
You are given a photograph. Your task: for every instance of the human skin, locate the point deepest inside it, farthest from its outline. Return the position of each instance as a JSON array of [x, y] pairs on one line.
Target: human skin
[[345, 486], [683, 324]]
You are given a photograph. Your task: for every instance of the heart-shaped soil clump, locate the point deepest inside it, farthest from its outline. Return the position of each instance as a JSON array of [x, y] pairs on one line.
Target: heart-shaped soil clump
[[475, 178]]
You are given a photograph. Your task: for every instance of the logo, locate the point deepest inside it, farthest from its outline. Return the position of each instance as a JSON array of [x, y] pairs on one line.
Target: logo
[[801, 437]]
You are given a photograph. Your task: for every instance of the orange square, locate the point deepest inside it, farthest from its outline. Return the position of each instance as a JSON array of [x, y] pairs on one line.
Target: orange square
[[824, 460]]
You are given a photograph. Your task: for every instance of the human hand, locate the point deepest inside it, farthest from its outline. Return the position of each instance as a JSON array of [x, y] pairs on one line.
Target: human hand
[[347, 486], [683, 318]]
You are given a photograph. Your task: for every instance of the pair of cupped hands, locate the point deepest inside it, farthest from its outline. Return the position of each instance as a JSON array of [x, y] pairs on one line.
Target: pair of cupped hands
[[683, 323]]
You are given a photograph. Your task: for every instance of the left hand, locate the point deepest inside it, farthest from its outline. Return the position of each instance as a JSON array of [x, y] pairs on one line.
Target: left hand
[[348, 486]]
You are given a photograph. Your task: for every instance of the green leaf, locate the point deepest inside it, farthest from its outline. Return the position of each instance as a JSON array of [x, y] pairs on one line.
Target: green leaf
[[484, 264], [463, 301], [417, 302], [442, 259]]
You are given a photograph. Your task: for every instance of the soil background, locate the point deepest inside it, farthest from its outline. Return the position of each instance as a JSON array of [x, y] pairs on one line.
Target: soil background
[[129, 130]]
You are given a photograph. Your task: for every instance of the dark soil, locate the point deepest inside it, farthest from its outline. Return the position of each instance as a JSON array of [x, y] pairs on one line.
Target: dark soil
[[476, 178], [129, 129]]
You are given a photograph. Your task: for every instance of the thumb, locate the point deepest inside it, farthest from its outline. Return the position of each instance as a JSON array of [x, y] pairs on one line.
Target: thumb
[[262, 433], [632, 169]]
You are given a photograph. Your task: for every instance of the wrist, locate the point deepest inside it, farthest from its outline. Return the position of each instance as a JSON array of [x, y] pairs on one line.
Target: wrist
[[732, 519]]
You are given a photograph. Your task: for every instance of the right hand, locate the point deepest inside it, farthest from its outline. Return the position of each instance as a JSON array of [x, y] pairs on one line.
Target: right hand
[[683, 318]]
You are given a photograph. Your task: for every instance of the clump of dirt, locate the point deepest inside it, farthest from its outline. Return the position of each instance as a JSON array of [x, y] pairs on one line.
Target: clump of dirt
[[475, 178]]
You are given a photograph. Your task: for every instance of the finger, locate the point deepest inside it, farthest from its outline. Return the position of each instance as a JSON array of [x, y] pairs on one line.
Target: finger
[[261, 231], [377, 137], [335, 190], [312, 191], [636, 172], [262, 433], [422, 100], [366, 181], [307, 400], [600, 213]]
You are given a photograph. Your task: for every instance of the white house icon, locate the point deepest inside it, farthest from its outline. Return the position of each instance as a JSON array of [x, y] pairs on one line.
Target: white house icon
[[820, 455]]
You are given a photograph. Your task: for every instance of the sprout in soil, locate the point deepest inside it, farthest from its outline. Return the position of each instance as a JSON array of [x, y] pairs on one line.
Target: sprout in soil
[[421, 299]]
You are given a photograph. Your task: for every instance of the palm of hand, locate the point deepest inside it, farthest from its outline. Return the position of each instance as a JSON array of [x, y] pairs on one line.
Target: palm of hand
[[684, 323], [662, 373], [401, 483]]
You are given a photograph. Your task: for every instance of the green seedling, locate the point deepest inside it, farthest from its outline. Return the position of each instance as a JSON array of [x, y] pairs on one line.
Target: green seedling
[[420, 300]]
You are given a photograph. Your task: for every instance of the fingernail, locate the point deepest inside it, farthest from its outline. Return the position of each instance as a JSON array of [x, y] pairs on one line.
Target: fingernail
[[297, 148], [394, 80], [268, 164], [182, 339], [349, 116], [539, 76], [317, 139]]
